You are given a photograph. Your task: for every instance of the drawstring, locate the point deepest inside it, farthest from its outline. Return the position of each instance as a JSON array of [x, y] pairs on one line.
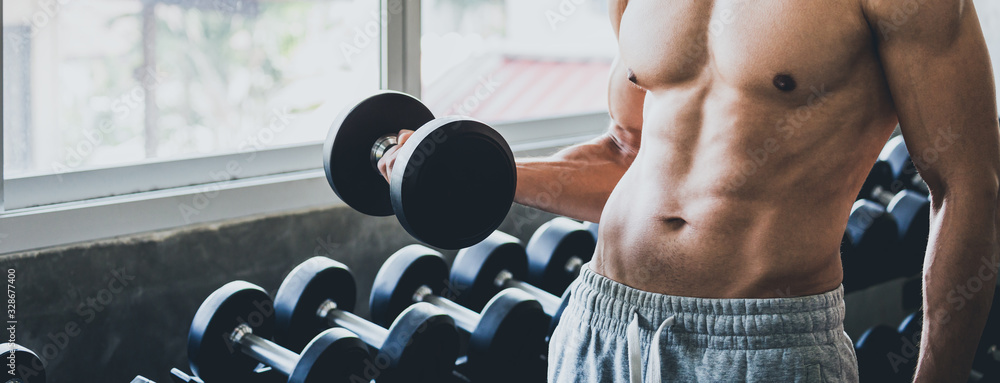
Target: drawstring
[[635, 349]]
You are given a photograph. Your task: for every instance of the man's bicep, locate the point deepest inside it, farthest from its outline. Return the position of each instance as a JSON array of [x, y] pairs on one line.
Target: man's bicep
[[938, 71]]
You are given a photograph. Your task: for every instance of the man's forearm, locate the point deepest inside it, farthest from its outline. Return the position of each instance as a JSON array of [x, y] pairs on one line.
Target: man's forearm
[[959, 276], [574, 182]]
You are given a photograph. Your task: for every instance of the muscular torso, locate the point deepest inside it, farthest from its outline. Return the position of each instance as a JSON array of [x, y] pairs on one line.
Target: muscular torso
[[760, 121]]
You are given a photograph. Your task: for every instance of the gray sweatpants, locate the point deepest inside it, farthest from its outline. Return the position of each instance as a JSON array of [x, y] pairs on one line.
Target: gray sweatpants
[[610, 332]]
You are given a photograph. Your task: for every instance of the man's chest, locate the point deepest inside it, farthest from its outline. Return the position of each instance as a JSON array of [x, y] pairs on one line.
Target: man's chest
[[746, 43]]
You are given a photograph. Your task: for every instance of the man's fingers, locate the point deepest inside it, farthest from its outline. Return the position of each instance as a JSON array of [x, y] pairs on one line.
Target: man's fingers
[[389, 157], [385, 163], [403, 136]]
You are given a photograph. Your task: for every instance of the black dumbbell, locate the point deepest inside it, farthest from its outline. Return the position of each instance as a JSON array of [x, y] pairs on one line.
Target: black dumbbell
[[506, 338], [564, 301], [877, 182], [870, 248], [499, 262], [873, 349], [556, 252], [910, 208], [912, 212], [229, 336], [909, 333], [987, 359], [26, 368], [592, 228], [421, 345], [904, 174], [453, 181]]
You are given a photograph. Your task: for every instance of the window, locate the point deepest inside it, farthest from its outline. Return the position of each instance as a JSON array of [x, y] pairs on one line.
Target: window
[[126, 116], [502, 60], [103, 83]]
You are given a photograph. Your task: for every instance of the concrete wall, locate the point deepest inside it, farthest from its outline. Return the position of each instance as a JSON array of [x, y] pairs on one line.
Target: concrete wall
[[109, 310]]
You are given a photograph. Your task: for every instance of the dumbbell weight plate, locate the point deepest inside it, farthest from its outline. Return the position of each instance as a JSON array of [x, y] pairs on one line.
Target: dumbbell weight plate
[[911, 325], [26, 363], [872, 348], [909, 330], [874, 242], [475, 269], [399, 278], [985, 360], [559, 312], [912, 212], [213, 358], [513, 329], [422, 343], [348, 147], [307, 286], [453, 182], [894, 153], [551, 247], [335, 355], [592, 228]]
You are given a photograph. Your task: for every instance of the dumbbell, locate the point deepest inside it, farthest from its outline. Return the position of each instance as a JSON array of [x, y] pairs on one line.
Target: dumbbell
[[452, 183], [987, 359], [873, 349], [179, 376], [556, 252], [486, 268], [229, 336], [904, 174], [909, 332], [870, 246], [27, 368], [912, 212], [910, 208], [421, 345], [505, 339], [592, 228]]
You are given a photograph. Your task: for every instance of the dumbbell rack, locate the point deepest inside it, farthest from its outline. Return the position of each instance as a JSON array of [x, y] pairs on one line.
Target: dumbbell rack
[[561, 241]]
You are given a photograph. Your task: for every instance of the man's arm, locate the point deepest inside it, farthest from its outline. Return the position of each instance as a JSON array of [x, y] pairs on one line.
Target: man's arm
[[577, 181], [938, 70]]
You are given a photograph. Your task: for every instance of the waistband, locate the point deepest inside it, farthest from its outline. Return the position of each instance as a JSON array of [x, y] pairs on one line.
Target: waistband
[[610, 306]]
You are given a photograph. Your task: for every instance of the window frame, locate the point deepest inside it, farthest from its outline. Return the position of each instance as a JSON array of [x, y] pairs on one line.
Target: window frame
[[87, 205]]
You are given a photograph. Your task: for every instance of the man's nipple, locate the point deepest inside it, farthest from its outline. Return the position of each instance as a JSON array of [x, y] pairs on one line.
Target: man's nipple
[[784, 82]]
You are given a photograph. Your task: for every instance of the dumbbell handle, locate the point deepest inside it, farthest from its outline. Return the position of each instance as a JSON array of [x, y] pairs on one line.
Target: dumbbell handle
[[881, 195], [382, 145], [550, 303], [466, 319], [370, 333], [265, 351]]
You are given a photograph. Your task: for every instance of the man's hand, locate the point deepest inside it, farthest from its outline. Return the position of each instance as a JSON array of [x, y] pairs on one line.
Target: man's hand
[[389, 158]]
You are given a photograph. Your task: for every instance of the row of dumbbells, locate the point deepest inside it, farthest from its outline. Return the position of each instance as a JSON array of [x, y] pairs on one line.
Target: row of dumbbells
[[889, 354], [887, 231], [477, 322]]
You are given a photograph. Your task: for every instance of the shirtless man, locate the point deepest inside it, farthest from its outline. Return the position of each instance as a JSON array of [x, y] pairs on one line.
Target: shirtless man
[[718, 258]]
